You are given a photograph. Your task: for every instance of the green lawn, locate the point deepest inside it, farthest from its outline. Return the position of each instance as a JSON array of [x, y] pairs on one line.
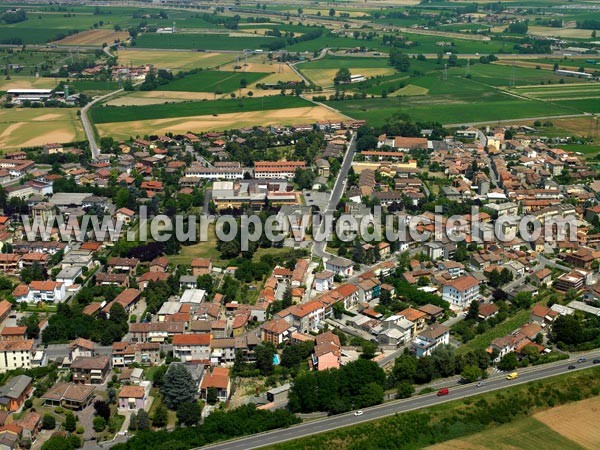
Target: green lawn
[[482, 341], [212, 81], [109, 114]]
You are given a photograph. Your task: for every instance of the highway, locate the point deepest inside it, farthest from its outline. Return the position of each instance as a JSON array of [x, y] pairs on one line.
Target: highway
[[400, 406], [336, 195]]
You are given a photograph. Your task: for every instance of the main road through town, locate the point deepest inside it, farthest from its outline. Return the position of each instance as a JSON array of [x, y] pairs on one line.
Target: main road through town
[[336, 195], [399, 406]]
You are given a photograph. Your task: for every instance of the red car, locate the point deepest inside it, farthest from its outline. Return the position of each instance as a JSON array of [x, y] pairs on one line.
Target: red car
[[443, 391]]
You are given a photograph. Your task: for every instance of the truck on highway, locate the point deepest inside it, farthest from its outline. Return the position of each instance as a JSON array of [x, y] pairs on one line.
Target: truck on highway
[[512, 376]]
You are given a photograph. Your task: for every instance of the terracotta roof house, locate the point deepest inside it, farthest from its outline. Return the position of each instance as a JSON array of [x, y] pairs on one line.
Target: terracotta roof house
[[132, 398], [218, 378]]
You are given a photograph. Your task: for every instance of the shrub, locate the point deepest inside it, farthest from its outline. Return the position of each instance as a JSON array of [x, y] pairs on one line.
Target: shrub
[[48, 422], [99, 424]]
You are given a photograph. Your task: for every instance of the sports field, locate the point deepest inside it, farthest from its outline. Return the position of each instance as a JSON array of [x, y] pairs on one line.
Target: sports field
[[213, 81], [25, 127], [284, 116]]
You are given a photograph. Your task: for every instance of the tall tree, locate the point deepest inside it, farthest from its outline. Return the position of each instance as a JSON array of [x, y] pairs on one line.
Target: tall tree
[[178, 386]]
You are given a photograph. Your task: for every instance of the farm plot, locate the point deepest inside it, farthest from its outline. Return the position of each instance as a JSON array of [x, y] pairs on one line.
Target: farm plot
[[524, 434], [94, 37], [503, 75], [170, 60], [562, 92], [201, 41], [245, 118], [324, 77], [24, 127], [212, 81], [108, 114]]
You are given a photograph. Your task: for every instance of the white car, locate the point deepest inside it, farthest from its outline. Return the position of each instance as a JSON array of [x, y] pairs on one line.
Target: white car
[[358, 413]]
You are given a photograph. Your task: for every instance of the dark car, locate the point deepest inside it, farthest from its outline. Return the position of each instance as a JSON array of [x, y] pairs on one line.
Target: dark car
[[571, 367], [596, 361]]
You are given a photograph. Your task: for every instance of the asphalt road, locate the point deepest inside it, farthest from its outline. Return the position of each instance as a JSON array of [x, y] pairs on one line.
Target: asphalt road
[[336, 194], [400, 406], [87, 124]]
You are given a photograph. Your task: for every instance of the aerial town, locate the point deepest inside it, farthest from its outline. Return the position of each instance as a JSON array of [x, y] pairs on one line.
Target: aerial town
[[304, 243]]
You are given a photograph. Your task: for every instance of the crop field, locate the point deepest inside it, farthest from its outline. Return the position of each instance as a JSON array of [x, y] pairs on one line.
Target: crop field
[[28, 82], [110, 114], [559, 32], [25, 127], [349, 62], [200, 41], [562, 92], [246, 118], [170, 60], [94, 37], [212, 81]]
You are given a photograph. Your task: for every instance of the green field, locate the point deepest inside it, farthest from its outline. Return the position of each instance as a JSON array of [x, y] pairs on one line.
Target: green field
[[562, 92], [501, 75], [481, 341], [499, 420], [92, 85], [200, 41], [108, 114], [525, 434], [212, 81]]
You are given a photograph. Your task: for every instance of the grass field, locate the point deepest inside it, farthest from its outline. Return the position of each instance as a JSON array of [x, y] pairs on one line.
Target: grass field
[[283, 116], [212, 81], [24, 127], [525, 434], [324, 77], [200, 41], [502, 75], [125, 114], [576, 421], [482, 341]]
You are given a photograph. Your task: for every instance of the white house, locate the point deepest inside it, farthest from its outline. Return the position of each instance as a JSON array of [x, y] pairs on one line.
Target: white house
[[46, 291], [340, 266], [68, 275], [430, 339], [461, 291], [324, 281]]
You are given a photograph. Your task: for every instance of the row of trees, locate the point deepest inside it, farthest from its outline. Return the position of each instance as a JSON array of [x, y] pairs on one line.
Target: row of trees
[[358, 384]]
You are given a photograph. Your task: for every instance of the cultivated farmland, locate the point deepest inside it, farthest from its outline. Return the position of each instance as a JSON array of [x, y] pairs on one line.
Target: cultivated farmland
[[212, 81], [34, 127], [109, 114], [283, 116]]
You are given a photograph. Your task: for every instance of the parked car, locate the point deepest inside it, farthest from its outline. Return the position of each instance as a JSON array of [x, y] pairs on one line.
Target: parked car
[[443, 391]]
